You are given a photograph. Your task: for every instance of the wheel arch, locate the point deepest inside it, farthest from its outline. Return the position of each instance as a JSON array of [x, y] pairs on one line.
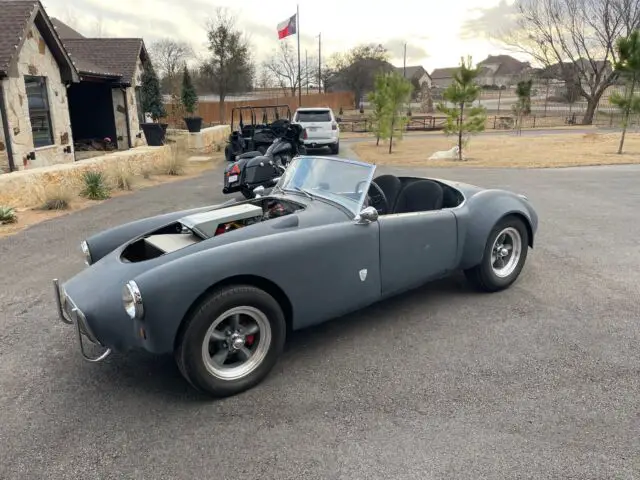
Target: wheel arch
[[251, 280]]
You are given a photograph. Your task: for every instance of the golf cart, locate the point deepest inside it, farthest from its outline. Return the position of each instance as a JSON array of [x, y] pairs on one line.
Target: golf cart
[[254, 136]]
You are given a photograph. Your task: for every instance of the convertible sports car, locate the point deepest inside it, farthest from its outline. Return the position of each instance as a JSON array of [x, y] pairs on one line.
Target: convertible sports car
[[220, 287]]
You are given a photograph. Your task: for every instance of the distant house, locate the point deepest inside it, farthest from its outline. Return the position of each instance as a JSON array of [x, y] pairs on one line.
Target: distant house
[[57, 87], [357, 78], [441, 78], [416, 74], [501, 71]]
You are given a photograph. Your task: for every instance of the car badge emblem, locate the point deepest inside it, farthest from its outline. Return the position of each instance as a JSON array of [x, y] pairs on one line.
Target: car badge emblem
[[363, 274]]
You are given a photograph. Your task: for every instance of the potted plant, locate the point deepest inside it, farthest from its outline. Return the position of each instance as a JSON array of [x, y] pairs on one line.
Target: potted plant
[[151, 100], [190, 101]]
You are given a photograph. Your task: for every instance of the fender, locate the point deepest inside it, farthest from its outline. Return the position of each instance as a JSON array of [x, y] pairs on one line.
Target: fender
[[480, 214], [105, 242]]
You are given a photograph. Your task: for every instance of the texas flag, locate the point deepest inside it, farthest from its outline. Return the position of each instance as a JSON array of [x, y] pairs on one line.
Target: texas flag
[[288, 27]]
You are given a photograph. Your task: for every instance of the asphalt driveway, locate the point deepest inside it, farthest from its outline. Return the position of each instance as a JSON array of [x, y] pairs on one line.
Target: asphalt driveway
[[540, 381]]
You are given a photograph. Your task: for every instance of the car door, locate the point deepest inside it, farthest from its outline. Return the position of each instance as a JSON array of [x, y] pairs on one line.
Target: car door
[[331, 270], [415, 248]]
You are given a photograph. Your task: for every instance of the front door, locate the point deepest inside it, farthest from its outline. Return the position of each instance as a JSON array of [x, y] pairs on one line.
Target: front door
[[415, 248]]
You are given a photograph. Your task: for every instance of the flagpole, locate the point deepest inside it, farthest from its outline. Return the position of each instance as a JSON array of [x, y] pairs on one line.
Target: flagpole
[[299, 70], [320, 62]]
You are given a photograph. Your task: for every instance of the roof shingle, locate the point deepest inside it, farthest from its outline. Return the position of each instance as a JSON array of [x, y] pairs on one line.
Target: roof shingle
[[14, 15], [105, 56]]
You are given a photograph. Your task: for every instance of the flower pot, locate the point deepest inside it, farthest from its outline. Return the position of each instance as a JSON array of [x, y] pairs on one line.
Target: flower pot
[[194, 124], [154, 133]]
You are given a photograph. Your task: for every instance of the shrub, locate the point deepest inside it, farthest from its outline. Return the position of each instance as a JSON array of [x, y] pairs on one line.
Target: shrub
[[56, 197], [8, 215], [176, 163], [121, 175], [95, 185]]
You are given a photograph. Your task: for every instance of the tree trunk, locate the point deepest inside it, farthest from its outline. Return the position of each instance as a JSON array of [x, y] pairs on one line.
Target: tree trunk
[[460, 132], [393, 121], [627, 113], [592, 104], [222, 109]]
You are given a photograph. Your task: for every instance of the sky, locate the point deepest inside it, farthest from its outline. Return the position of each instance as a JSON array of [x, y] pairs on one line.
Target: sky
[[436, 36]]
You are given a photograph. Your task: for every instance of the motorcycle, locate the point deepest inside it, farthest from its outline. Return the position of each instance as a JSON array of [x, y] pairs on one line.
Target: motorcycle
[[255, 169]]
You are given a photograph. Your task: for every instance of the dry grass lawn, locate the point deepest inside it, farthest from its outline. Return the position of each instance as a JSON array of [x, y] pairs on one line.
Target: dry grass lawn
[[509, 151]]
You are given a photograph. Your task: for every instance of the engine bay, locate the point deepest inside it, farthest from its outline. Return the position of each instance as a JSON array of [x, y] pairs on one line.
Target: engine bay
[[201, 226]]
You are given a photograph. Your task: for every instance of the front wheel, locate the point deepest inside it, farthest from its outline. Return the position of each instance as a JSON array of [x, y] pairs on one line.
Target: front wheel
[[232, 341], [504, 256]]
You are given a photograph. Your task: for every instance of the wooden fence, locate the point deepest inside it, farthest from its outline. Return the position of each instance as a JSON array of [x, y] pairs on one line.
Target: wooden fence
[[210, 111]]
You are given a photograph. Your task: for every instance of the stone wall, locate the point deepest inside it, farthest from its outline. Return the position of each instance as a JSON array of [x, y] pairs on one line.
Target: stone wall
[[205, 141], [20, 189], [137, 136], [35, 58]]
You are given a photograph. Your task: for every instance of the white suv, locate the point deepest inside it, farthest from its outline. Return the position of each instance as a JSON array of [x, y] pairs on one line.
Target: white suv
[[321, 126]]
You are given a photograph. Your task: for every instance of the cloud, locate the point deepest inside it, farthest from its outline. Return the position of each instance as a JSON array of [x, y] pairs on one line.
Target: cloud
[[489, 22], [415, 53]]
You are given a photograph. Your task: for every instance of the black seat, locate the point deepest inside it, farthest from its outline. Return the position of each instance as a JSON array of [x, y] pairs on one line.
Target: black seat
[[391, 186], [420, 196]]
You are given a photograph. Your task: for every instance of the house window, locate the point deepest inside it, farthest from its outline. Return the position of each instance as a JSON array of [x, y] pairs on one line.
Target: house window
[[39, 112]]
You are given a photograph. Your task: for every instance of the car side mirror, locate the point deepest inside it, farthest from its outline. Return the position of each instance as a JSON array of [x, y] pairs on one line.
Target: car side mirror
[[368, 215]]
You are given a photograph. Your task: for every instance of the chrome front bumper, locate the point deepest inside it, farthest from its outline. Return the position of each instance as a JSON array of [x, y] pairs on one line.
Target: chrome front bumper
[[70, 314]]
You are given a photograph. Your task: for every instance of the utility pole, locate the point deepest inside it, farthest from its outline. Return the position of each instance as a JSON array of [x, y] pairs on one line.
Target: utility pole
[[320, 62], [306, 70], [404, 65], [299, 76]]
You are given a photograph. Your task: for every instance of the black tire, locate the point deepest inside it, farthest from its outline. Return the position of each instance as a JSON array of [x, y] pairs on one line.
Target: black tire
[[247, 193], [188, 354], [335, 149], [483, 276], [228, 153]]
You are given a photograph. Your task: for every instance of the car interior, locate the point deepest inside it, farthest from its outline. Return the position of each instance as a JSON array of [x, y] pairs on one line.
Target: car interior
[[390, 194]]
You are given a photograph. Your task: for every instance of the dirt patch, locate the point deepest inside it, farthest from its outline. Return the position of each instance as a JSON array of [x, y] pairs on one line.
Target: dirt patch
[[28, 216], [510, 151]]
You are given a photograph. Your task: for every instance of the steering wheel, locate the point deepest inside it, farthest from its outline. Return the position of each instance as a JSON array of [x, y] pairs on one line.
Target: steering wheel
[[376, 197]]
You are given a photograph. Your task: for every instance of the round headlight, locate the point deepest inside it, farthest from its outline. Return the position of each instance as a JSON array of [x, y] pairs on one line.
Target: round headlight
[[87, 253], [132, 300]]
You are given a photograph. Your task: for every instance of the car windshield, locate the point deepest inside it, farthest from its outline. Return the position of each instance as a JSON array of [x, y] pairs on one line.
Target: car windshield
[[339, 180], [313, 116]]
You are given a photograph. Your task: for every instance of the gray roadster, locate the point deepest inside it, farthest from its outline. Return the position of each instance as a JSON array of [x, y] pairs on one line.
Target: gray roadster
[[220, 287]]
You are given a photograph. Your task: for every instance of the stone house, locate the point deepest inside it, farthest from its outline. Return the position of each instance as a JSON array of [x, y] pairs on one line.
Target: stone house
[[58, 88], [441, 78], [416, 74]]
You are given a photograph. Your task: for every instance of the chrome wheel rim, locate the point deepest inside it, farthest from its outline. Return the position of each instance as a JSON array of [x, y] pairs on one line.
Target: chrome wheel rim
[[505, 252], [236, 343]]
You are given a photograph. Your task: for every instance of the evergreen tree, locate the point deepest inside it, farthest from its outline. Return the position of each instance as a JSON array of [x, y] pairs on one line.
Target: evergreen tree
[[189, 94], [151, 96], [523, 106], [379, 100], [398, 96], [462, 92], [628, 66]]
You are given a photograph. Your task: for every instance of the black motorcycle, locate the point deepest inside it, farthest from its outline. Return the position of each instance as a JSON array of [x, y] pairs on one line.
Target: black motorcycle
[[255, 169]]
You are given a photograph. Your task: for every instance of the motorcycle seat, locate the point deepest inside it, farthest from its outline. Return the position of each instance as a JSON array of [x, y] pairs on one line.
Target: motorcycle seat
[[251, 154]]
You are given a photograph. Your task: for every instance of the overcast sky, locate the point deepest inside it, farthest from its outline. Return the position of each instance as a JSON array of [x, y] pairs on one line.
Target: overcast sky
[[437, 33]]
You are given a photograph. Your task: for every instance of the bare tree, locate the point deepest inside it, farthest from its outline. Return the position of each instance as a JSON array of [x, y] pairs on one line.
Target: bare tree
[[575, 40], [229, 68], [265, 78], [98, 28], [283, 65], [169, 56]]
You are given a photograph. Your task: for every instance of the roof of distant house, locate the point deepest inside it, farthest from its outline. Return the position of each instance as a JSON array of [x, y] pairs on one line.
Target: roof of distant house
[[444, 72], [507, 65], [413, 71]]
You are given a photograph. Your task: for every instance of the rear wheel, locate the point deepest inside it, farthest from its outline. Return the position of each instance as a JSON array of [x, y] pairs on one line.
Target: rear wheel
[[504, 256], [335, 148], [232, 341]]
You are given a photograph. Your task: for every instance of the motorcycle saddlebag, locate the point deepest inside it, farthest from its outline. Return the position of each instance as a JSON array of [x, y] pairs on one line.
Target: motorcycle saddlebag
[[258, 170]]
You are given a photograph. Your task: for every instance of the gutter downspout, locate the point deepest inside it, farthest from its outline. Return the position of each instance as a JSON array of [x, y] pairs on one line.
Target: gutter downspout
[[5, 127], [126, 114]]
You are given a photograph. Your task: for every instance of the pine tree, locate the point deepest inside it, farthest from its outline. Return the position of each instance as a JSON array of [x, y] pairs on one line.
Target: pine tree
[[523, 106], [398, 97], [378, 99], [151, 96], [463, 118], [628, 66], [189, 94]]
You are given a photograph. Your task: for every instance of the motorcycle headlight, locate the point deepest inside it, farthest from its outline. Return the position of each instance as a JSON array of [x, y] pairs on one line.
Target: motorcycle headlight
[[87, 253], [132, 300]]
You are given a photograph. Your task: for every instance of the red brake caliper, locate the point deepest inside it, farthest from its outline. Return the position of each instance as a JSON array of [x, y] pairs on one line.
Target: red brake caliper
[[249, 340]]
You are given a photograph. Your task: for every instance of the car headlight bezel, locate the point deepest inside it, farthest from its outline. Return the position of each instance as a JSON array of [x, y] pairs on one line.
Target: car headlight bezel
[[84, 246], [132, 300]]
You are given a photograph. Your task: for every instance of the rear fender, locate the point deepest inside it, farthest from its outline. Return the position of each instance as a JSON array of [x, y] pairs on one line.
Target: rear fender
[[480, 214]]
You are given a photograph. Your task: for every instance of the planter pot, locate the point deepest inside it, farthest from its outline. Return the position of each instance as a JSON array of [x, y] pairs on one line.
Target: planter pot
[[194, 124], [154, 133]]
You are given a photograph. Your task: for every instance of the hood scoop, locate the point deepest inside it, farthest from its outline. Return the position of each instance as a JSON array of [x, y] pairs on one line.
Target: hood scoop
[[205, 224]]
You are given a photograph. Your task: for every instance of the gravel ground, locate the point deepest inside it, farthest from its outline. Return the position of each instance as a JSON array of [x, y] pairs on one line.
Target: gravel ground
[[540, 381]]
